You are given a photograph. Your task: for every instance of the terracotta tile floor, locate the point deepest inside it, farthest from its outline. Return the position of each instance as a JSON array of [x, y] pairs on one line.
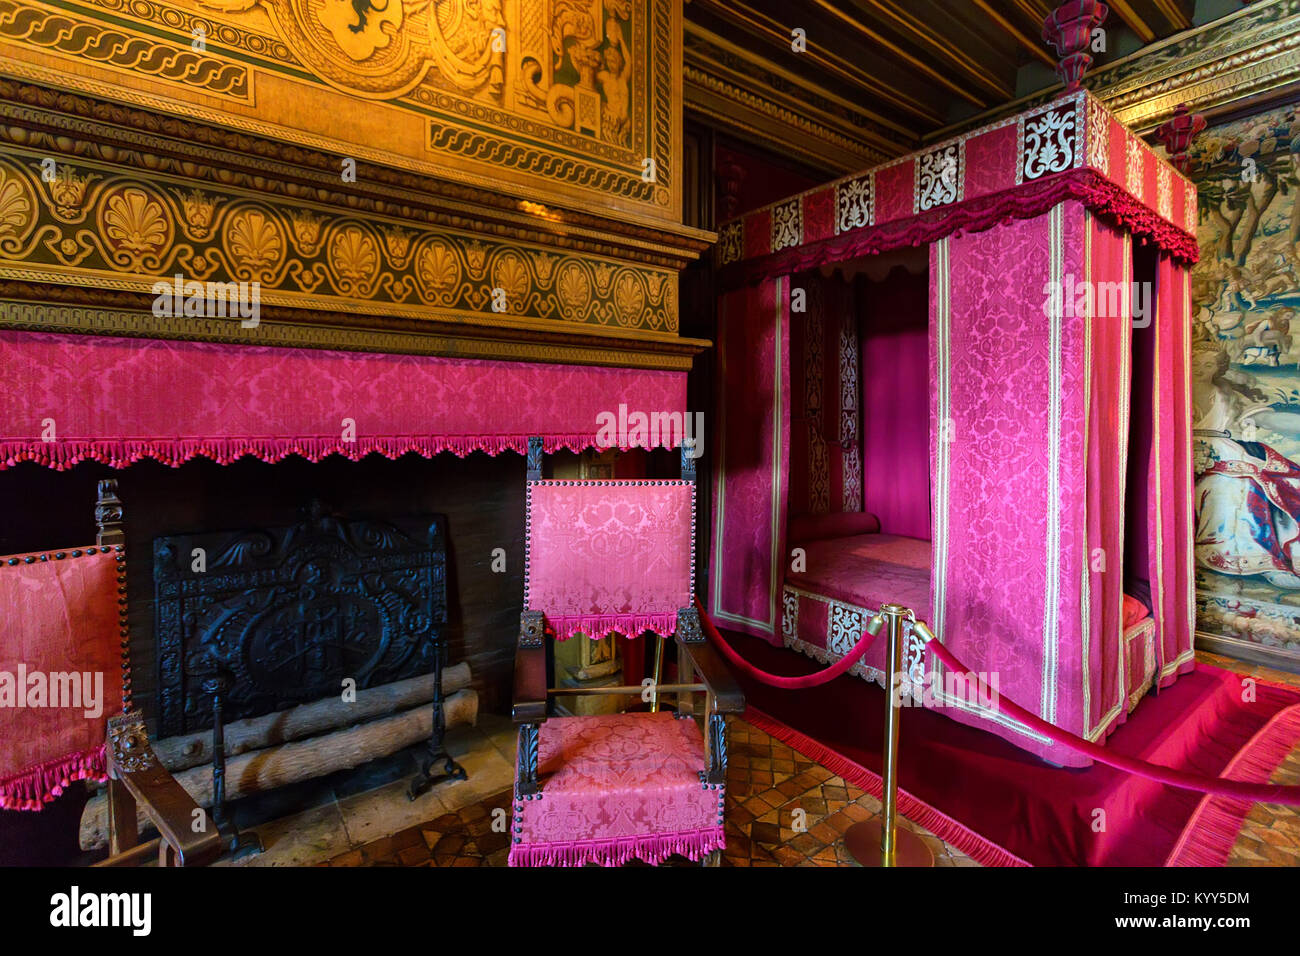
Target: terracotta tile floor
[[767, 782]]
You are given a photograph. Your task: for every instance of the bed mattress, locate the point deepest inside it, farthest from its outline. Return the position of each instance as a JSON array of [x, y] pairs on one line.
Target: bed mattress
[[827, 605]]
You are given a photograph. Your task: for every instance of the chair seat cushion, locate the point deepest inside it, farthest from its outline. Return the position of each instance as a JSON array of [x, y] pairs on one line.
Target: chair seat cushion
[[614, 787]]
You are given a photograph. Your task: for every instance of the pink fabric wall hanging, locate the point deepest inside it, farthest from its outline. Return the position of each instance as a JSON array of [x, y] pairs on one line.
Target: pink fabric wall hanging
[[896, 403], [746, 564], [118, 400], [58, 616], [610, 555]]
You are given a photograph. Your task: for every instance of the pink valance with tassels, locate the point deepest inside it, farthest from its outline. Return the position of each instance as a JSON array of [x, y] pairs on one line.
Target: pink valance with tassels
[[70, 398]]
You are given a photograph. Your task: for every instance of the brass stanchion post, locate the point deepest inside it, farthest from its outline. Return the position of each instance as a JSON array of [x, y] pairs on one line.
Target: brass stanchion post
[[882, 843]]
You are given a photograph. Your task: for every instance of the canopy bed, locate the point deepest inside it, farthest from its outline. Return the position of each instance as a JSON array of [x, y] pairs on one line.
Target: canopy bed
[[993, 437]]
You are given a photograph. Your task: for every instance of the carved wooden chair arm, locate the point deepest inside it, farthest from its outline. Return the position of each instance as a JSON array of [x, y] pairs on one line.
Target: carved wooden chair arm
[[727, 696], [530, 670], [137, 776]]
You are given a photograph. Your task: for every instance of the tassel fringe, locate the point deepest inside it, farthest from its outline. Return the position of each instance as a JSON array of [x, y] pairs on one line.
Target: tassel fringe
[[174, 452], [596, 626], [653, 848], [1208, 837], [34, 788]]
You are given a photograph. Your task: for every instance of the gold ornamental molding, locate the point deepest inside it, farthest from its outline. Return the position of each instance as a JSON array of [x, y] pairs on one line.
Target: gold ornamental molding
[[292, 329], [102, 226], [57, 32], [72, 126], [576, 103]]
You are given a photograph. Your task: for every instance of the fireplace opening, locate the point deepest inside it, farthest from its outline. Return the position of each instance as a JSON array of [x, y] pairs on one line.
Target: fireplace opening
[[480, 497]]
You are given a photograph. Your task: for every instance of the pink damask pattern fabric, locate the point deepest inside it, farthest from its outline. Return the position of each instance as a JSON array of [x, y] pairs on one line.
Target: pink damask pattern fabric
[[752, 455], [896, 403], [610, 555], [827, 606], [69, 398], [1007, 434], [60, 671], [1171, 514], [617, 787]]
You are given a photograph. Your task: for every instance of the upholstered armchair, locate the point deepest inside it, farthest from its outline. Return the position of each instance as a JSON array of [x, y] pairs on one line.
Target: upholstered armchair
[[616, 556], [63, 628]]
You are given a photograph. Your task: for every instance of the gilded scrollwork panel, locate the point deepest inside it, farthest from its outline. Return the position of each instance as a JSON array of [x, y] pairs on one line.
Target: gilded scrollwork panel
[[568, 99], [98, 224]]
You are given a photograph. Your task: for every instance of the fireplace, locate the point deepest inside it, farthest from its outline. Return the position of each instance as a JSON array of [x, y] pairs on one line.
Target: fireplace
[[475, 502], [289, 615]]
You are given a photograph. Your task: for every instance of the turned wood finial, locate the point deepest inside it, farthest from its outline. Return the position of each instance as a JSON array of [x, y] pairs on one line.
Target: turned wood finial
[[1177, 134], [1068, 29], [108, 514]]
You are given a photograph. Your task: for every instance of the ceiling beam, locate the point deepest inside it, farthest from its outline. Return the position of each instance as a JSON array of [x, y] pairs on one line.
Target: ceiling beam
[[922, 31], [1032, 44], [1134, 22], [1173, 11], [799, 84], [866, 31], [1035, 10], [763, 25]]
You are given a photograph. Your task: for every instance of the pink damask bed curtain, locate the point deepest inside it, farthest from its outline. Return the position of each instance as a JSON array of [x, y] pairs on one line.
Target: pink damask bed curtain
[[746, 562], [1030, 360], [1170, 516]]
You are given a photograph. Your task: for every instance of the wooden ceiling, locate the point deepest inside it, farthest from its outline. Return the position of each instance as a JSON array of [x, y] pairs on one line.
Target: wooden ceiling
[[884, 74]]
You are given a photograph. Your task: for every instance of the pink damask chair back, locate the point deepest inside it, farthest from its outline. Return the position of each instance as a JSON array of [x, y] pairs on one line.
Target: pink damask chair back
[[609, 556], [64, 641], [615, 556]]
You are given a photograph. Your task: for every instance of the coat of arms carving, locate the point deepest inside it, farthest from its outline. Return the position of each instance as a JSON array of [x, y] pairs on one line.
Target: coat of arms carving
[[568, 63]]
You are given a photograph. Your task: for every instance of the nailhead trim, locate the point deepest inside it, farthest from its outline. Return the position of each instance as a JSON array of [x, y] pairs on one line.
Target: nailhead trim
[[598, 482]]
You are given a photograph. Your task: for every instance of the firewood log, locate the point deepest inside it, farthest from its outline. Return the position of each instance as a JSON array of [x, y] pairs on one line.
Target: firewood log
[[282, 764], [306, 720]]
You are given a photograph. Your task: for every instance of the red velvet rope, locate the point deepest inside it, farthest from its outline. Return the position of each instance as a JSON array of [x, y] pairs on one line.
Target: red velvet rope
[[1255, 792], [790, 683]]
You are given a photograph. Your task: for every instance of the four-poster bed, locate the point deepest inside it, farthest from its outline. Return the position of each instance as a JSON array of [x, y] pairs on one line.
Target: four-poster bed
[[1056, 470]]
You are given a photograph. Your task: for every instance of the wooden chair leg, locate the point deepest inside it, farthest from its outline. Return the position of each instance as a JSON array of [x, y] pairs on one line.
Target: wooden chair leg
[[123, 829]]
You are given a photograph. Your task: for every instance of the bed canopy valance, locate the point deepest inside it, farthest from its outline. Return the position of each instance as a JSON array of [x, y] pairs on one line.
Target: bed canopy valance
[[1042, 502]]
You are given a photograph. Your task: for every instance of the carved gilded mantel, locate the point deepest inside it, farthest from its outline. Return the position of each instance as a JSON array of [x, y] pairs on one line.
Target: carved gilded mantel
[[475, 177]]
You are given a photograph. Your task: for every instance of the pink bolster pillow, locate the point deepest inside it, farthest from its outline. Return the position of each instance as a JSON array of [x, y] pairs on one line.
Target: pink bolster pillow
[[842, 525], [1134, 611]]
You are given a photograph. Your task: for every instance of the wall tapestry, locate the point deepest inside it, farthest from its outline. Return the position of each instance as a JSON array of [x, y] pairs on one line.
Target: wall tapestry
[[1246, 381]]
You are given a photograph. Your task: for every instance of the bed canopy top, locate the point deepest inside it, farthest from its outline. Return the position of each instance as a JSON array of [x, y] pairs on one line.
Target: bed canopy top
[[1020, 167], [1041, 366]]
